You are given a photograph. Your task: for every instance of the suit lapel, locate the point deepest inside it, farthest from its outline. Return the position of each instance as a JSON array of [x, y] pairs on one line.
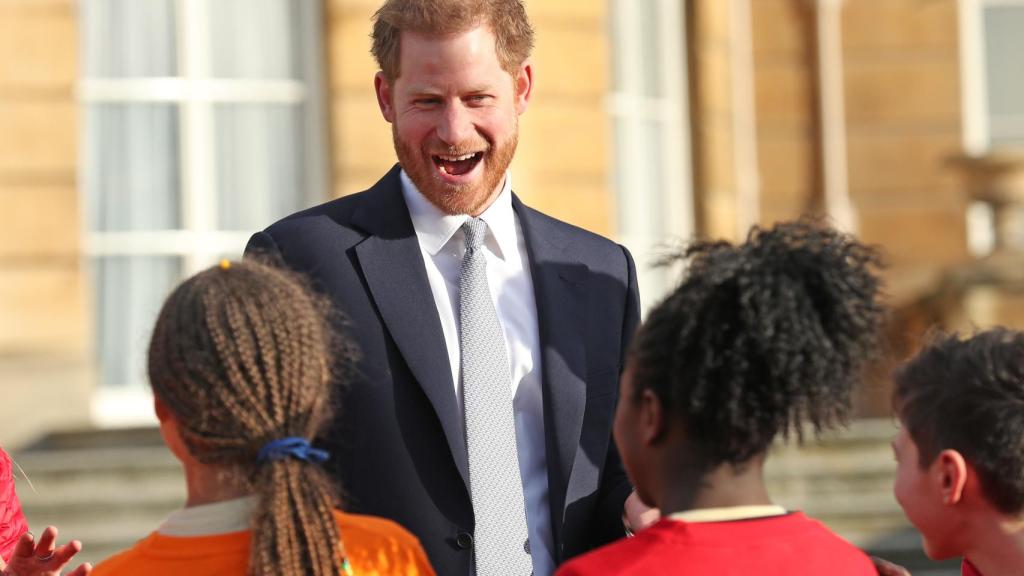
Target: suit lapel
[[392, 264], [559, 284]]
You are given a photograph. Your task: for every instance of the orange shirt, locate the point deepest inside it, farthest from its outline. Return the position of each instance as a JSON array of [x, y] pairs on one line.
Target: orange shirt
[[375, 547]]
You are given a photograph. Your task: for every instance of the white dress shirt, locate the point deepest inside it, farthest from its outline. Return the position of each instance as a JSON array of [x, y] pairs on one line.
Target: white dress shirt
[[508, 273]]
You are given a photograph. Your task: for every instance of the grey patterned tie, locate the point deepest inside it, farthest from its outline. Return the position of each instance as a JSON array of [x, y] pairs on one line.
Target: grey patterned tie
[[499, 542]]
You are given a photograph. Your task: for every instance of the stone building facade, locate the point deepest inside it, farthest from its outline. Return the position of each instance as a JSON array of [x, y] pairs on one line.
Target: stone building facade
[[849, 108]]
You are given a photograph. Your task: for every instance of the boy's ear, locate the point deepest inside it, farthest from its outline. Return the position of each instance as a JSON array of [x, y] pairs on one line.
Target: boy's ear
[[162, 413], [951, 473], [653, 422]]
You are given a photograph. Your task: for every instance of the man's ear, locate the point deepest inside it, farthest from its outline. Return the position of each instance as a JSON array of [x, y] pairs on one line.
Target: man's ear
[[653, 422], [385, 96], [951, 474], [523, 86]]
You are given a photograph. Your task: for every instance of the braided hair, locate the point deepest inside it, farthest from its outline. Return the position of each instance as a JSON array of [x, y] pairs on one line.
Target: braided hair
[[761, 338], [242, 354]]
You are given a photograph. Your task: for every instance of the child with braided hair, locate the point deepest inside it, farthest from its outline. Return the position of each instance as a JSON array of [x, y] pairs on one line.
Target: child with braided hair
[[240, 363], [759, 341]]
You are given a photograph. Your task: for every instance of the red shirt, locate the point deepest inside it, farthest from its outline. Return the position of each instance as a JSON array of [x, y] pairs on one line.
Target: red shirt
[[12, 521], [968, 569], [773, 546]]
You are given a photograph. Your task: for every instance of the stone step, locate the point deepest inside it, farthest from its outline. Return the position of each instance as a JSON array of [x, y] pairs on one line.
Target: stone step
[[60, 486], [107, 488], [70, 460], [78, 439], [110, 488], [61, 467], [828, 486], [841, 458], [851, 505]]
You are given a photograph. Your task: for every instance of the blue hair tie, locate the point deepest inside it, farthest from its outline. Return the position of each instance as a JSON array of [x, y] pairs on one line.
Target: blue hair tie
[[292, 446]]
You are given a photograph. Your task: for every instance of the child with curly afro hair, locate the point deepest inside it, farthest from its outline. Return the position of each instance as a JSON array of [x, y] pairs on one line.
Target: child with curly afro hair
[[760, 341]]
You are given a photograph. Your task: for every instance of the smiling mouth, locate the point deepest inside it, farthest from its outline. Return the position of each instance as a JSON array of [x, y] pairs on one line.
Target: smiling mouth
[[457, 165]]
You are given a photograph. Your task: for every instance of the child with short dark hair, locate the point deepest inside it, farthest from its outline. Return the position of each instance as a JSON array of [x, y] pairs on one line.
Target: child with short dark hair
[[960, 449], [760, 340]]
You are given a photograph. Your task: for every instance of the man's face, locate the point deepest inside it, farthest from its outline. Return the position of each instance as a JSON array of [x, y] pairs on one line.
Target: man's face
[[455, 116], [917, 492]]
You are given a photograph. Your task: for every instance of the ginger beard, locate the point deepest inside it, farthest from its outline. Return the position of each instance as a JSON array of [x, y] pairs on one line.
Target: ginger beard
[[428, 166]]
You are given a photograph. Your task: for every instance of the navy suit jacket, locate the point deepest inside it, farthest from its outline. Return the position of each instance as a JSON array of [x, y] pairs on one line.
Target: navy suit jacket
[[397, 444]]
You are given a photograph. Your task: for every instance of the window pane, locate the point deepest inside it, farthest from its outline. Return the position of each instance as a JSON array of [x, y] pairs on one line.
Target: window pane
[[129, 38], [131, 169], [650, 33], [255, 38], [639, 178], [637, 57], [1007, 132], [652, 133], [1004, 43], [129, 291], [259, 154]]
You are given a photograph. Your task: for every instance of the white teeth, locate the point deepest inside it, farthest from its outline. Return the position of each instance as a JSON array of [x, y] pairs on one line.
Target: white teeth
[[456, 158]]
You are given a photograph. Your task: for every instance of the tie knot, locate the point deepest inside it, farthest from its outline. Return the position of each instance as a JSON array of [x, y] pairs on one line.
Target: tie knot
[[475, 229]]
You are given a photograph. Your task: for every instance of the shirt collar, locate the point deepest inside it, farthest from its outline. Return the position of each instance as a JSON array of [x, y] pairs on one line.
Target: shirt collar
[[211, 519], [728, 513], [435, 229]]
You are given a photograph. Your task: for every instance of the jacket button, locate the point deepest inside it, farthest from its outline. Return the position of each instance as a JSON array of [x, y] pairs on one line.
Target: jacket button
[[464, 540], [526, 546]]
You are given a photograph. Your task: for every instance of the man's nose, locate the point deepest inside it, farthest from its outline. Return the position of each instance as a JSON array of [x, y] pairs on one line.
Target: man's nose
[[455, 125]]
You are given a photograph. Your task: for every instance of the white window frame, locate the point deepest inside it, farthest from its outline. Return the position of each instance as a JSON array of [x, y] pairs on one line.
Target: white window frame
[[976, 136], [198, 242], [973, 74], [674, 201]]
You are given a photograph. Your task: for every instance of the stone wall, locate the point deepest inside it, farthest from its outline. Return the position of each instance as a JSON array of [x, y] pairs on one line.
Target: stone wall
[[711, 110], [901, 79], [44, 374], [902, 86], [901, 59], [785, 80]]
